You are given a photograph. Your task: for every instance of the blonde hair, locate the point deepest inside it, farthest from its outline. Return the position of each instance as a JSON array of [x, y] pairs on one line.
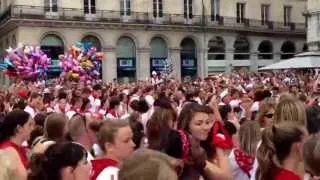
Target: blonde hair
[[147, 164], [249, 136], [290, 109], [108, 131], [266, 105]]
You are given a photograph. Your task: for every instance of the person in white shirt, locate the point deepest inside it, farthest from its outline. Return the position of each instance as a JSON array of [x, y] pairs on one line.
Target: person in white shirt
[[242, 158], [35, 104], [95, 98], [76, 103]]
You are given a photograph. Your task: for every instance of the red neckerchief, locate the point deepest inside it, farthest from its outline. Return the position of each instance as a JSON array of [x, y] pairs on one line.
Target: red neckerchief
[[99, 165], [218, 141], [244, 161], [185, 145], [113, 112], [22, 152]]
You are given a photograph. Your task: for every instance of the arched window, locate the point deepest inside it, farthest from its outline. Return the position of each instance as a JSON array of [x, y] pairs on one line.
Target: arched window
[[188, 58], [93, 40], [126, 59], [288, 50], [265, 50], [216, 48], [159, 48], [241, 48], [52, 45]]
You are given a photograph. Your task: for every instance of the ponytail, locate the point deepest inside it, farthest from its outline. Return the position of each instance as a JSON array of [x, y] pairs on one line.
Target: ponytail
[[37, 164], [275, 147], [266, 155]]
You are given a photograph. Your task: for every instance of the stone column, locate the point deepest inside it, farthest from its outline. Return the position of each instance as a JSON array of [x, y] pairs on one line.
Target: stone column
[[229, 59], [277, 56], [143, 63], [174, 54], [254, 61], [109, 64], [204, 63]]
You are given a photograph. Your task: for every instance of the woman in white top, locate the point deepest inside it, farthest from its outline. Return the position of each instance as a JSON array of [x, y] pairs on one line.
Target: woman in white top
[[242, 158]]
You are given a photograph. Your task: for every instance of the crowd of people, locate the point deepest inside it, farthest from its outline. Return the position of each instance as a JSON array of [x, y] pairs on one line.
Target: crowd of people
[[239, 126]]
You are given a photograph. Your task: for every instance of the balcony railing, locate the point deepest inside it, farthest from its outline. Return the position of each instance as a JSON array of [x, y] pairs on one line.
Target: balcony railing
[[73, 14]]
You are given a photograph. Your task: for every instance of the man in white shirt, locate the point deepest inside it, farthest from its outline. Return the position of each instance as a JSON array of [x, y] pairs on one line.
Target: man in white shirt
[[35, 104], [95, 98]]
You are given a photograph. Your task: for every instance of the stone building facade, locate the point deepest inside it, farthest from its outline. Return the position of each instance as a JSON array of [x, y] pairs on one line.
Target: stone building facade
[[200, 37]]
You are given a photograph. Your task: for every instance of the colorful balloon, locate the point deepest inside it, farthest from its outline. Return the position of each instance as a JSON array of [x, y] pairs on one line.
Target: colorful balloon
[[80, 63], [26, 62]]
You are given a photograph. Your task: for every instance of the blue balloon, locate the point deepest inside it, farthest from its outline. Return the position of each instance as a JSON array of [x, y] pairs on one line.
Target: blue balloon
[[7, 61], [79, 45]]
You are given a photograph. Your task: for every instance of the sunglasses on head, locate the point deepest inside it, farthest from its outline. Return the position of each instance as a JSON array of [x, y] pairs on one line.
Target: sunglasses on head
[[269, 115]]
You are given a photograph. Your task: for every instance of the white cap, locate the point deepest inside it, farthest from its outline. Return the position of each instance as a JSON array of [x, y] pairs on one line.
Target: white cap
[[154, 73]]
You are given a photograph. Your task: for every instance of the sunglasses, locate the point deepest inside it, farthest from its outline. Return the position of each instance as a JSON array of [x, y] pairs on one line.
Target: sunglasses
[[269, 115]]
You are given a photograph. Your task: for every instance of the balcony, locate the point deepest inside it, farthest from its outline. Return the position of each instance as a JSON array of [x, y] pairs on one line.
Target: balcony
[[17, 12]]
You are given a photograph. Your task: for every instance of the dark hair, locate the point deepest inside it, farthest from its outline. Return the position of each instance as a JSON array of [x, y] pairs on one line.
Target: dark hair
[[40, 118], [62, 95], [34, 95], [19, 104], [140, 105], [48, 166], [114, 101], [224, 110], [47, 98], [275, 147], [75, 99], [11, 121], [97, 87], [86, 90], [313, 119], [137, 128], [158, 128], [187, 114], [85, 102]]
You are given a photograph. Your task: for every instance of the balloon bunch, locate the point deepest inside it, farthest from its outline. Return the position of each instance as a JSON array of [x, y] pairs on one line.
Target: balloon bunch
[[26, 62], [81, 63]]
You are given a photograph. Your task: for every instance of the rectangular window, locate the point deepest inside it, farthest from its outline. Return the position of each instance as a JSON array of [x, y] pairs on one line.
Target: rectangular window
[[89, 6], [187, 9], [215, 9], [157, 8], [125, 7], [265, 13], [240, 12], [51, 5], [287, 15]]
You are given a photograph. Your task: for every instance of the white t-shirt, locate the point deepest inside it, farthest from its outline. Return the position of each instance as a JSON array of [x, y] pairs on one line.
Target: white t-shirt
[[237, 172], [95, 103], [30, 110]]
